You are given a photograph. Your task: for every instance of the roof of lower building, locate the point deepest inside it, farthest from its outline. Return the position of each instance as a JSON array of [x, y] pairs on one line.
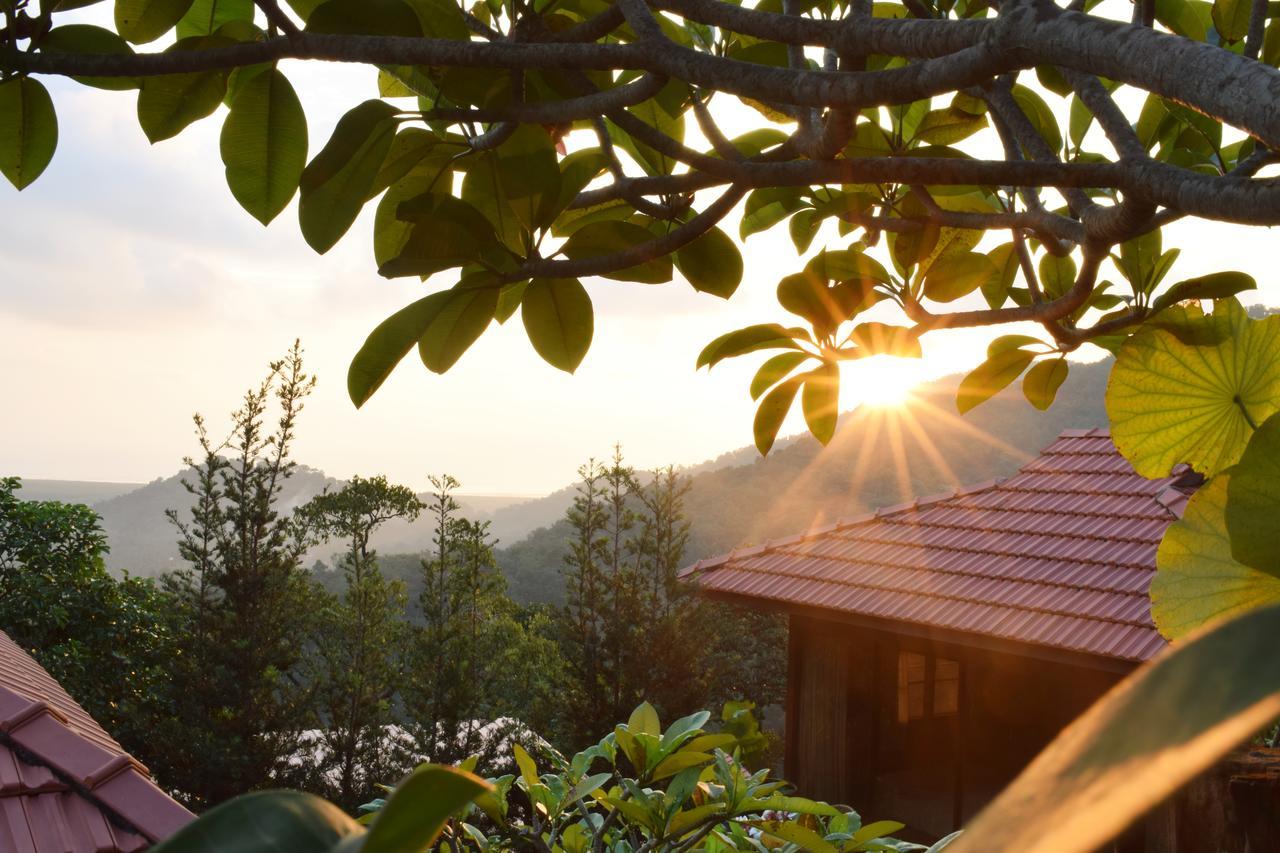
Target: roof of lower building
[[1059, 555], [66, 786]]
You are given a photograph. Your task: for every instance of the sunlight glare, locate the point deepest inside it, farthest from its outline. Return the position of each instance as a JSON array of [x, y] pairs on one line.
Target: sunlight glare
[[883, 381]]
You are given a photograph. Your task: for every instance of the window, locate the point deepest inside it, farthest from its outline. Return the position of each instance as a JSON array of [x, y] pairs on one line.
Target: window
[[927, 687]]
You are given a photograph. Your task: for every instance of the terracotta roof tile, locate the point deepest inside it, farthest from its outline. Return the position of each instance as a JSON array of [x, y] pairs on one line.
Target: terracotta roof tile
[[1061, 555], [66, 786]]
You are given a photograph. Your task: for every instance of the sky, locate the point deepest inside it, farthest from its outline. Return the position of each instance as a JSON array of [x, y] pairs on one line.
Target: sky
[[134, 292]]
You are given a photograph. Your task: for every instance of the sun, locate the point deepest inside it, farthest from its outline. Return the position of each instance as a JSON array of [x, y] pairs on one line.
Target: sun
[[883, 381]]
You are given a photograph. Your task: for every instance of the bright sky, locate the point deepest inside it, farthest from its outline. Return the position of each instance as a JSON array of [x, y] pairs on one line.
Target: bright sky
[[134, 291]]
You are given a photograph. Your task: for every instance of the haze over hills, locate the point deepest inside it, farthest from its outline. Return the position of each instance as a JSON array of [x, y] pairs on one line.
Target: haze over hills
[[879, 456]]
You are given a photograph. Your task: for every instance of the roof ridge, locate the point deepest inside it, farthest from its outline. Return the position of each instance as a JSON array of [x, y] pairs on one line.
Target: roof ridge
[[966, 574], [927, 594], [988, 551]]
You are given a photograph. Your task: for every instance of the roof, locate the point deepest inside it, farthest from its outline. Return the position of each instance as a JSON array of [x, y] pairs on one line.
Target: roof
[[65, 784], [1059, 555]]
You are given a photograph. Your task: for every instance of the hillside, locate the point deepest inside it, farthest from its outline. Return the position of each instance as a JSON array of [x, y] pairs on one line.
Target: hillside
[[878, 457], [73, 491]]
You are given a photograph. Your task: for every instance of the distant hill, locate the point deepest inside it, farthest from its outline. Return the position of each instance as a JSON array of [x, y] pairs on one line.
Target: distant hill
[[73, 491], [142, 541], [878, 457]]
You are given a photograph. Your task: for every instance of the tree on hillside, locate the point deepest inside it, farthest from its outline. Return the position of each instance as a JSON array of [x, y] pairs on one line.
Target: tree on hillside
[[359, 641], [104, 639], [631, 632], [474, 662], [243, 607], [875, 147]]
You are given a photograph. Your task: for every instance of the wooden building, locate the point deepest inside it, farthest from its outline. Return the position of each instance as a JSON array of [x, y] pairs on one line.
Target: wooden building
[[936, 647]]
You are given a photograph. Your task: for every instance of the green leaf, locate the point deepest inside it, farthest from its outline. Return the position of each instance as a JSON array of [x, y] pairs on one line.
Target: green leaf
[[559, 319], [884, 339], [995, 289], [264, 145], [206, 16], [1057, 274], [388, 344], [949, 126], [459, 324], [528, 769], [820, 401], [878, 829], [991, 377], [683, 760], [772, 411], [774, 370], [335, 185], [712, 264], [1231, 18], [1157, 730], [167, 105], [509, 299], [609, 237], [767, 207], [141, 21], [957, 275], [529, 176], [1171, 402], [1040, 385], [748, 339], [794, 833], [264, 822], [1253, 504], [1041, 116], [644, 720], [86, 38], [1218, 285], [1197, 579], [447, 232], [28, 130], [419, 808]]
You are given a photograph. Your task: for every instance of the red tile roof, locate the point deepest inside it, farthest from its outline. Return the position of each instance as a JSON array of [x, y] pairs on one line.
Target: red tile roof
[[66, 786], [1059, 555]]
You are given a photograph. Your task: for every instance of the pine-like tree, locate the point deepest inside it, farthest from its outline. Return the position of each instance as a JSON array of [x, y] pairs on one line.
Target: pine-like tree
[[358, 659], [242, 609]]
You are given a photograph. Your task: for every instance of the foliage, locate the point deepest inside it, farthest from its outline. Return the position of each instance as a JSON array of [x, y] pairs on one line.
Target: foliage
[[475, 665], [101, 637], [357, 661], [630, 629], [645, 788], [242, 606], [292, 821]]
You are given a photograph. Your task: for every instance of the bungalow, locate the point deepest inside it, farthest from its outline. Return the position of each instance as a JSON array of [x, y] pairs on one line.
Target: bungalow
[[65, 785], [936, 647]]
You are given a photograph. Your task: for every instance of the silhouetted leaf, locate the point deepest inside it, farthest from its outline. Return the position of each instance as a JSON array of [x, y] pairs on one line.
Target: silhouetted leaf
[[772, 411], [264, 822], [264, 144], [820, 401], [712, 264], [606, 238], [1253, 505], [388, 344], [1040, 385], [991, 377], [28, 130], [141, 21], [86, 38], [419, 808], [559, 319], [461, 321]]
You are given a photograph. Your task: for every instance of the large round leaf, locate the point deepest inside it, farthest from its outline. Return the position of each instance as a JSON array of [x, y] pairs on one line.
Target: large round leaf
[[559, 319], [265, 822], [1197, 580], [28, 130], [1172, 401], [1253, 501], [264, 144]]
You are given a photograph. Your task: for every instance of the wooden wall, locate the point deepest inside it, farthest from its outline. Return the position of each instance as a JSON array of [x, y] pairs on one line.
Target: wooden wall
[[846, 743]]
